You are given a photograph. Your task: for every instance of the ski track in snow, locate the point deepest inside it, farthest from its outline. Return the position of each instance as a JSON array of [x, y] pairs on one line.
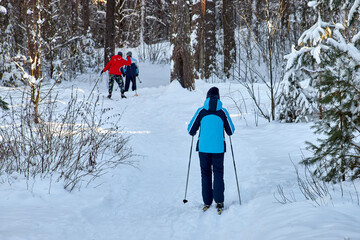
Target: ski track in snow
[[145, 201]]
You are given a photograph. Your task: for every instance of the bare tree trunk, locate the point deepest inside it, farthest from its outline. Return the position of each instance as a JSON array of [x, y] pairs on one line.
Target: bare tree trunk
[[85, 15], [142, 24], [182, 59], [210, 39], [121, 22], [204, 46], [229, 36], [33, 31], [110, 31], [198, 10]]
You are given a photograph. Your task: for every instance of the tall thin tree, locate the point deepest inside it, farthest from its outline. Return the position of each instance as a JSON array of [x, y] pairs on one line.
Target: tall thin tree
[[85, 15], [181, 58], [198, 12], [209, 39], [110, 30], [229, 36]]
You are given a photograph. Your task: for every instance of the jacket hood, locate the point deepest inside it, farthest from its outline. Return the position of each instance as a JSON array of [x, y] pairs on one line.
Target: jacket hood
[[212, 104]]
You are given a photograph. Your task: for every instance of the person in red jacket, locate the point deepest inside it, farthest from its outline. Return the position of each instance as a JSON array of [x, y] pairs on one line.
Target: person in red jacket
[[115, 65]]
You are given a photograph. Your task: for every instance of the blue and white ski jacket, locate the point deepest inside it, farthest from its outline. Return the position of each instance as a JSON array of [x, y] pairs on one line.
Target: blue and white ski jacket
[[212, 119], [133, 69]]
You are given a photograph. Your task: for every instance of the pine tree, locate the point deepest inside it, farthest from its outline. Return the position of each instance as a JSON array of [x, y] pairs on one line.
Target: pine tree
[[333, 65], [338, 153]]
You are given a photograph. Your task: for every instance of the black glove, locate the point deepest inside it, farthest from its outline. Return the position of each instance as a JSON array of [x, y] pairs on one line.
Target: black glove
[[137, 74], [101, 72], [122, 70]]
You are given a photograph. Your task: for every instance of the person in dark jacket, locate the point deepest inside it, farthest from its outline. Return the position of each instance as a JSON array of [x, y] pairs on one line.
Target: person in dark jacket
[[212, 119], [131, 72], [115, 65]]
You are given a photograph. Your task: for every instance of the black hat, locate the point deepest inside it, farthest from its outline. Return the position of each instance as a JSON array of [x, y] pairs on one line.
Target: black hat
[[129, 53], [120, 54], [213, 92]]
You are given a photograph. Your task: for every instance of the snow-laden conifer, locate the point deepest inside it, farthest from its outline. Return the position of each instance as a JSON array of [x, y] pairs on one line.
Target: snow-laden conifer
[[327, 66]]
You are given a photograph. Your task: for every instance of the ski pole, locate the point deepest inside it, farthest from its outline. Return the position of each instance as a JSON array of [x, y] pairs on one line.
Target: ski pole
[[139, 79], [237, 181], [187, 178], [94, 87]]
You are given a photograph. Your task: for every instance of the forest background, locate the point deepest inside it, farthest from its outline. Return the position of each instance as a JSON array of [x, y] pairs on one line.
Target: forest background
[[297, 49]]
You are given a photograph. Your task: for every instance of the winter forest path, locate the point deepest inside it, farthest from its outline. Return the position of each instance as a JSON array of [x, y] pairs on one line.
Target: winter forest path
[[148, 200], [145, 202]]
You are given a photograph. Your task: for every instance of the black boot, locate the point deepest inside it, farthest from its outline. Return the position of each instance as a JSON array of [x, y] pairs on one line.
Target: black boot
[[220, 207], [206, 207]]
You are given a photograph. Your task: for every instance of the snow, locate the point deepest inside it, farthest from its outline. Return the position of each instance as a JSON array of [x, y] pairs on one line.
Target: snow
[[312, 4], [3, 10], [353, 10], [146, 201], [356, 38], [315, 52]]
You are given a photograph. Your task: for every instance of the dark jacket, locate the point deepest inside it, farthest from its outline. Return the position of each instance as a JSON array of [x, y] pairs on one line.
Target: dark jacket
[[133, 69]]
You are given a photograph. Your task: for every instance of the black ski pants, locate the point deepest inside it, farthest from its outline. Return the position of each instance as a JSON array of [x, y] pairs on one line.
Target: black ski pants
[[131, 79], [212, 163]]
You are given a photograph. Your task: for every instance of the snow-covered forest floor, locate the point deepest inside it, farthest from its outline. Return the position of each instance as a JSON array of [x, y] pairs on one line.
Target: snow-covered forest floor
[[145, 201]]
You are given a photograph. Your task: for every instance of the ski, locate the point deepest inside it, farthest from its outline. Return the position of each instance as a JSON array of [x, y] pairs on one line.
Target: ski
[[220, 210]]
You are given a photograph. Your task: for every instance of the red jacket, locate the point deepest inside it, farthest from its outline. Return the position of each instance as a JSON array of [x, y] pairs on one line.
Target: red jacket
[[115, 63]]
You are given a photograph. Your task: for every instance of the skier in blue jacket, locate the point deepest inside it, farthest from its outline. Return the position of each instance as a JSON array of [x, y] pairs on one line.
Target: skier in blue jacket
[[131, 72], [212, 119]]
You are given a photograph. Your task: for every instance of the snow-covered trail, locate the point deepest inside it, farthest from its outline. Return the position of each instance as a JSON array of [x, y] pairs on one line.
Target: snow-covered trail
[[151, 205], [145, 201]]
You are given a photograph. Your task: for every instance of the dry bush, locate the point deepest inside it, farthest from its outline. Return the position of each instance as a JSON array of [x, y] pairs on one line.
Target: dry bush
[[70, 144], [316, 190]]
